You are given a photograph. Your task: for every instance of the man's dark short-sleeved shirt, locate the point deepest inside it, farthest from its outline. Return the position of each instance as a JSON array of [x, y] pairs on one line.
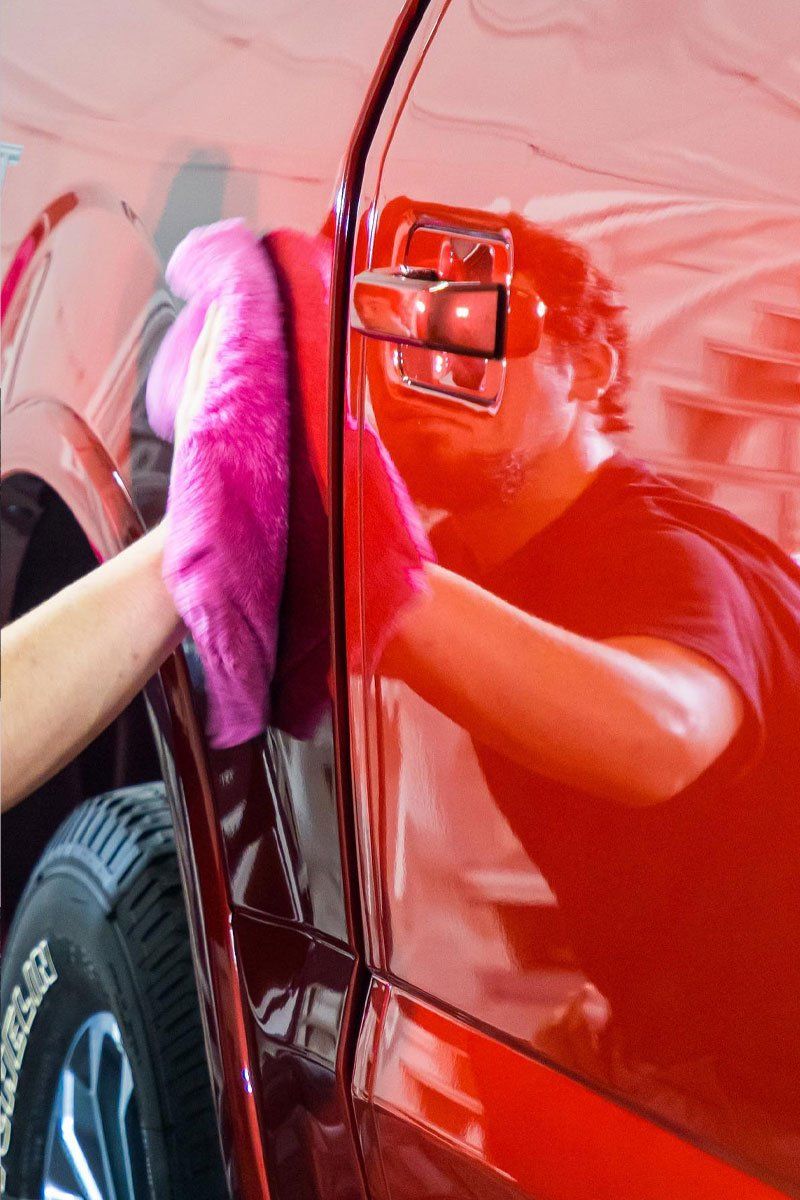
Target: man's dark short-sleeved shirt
[[686, 914]]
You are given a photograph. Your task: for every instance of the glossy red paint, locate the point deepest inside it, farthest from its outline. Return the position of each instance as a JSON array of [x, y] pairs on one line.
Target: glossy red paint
[[54, 213], [348, 203], [216, 964], [545, 136], [378, 983], [84, 309], [296, 985], [462, 1115]]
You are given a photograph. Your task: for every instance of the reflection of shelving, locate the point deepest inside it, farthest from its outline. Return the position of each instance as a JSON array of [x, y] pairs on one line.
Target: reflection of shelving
[[712, 472], [747, 384], [709, 428], [521, 899], [740, 407], [754, 372], [780, 326], [512, 886]]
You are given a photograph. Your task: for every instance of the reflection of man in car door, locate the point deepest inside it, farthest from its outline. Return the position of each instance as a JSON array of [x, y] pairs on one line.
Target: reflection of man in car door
[[627, 660]]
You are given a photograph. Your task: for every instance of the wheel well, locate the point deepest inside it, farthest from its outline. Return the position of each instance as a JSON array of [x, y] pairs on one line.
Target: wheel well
[[44, 550]]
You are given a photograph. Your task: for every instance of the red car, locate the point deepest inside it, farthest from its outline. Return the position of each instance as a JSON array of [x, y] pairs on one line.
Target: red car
[[336, 951]]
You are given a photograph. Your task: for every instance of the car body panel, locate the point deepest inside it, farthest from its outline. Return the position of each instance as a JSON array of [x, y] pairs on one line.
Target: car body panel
[[348, 927], [135, 127], [459, 1114], [610, 127]]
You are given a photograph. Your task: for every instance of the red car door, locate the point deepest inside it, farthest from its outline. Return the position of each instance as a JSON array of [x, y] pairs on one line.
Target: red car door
[[637, 136]]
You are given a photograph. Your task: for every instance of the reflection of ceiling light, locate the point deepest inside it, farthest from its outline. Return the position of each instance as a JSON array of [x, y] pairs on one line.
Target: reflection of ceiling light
[[462, 310], [541, 308], [438, 364], [420, 306]]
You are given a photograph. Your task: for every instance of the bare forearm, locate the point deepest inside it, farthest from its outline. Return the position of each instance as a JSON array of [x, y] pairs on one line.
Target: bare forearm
[[580, 711], [70, 666]]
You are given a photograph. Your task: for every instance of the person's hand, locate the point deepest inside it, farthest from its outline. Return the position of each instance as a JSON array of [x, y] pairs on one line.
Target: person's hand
[[198, 372], [183, 369]]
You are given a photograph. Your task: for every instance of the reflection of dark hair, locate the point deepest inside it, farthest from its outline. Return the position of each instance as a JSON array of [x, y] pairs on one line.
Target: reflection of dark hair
[[581, 306]]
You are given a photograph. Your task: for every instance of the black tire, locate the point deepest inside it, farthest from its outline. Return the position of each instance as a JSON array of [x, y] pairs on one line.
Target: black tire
[[101, 929]]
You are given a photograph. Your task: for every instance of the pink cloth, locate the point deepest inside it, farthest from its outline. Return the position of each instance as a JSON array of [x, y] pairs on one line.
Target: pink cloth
[[232, 493], [227, 509]]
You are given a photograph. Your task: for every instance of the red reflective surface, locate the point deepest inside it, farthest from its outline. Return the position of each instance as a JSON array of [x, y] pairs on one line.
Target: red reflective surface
[[661, 142], [608, 135], [296, 988], [168, 117], [461, 1115]]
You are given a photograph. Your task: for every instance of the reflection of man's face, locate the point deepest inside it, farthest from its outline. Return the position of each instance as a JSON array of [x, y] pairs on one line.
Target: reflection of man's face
[[459, 458]]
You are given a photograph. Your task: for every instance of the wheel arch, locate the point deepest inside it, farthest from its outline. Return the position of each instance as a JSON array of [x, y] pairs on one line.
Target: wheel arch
[[47, 444], [46, 548]]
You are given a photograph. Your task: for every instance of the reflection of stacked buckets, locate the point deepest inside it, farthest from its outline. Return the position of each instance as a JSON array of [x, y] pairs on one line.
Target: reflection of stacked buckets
[[747, 383]]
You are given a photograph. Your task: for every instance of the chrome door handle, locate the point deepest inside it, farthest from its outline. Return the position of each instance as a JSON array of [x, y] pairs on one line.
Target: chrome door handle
[[419, 308]]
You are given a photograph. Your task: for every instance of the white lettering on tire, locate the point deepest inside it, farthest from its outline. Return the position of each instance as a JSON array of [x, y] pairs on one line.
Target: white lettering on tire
[[38, 974]]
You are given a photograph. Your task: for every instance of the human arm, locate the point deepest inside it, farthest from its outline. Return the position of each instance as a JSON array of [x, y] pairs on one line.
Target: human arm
[[634, 719], [97, 642]]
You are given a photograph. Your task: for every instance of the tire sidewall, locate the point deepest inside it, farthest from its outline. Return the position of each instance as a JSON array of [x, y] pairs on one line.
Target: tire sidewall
[[69, 927]]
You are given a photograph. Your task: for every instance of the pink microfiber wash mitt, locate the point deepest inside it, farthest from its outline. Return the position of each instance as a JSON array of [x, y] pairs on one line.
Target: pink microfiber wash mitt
[[227, 509], [231, 488]]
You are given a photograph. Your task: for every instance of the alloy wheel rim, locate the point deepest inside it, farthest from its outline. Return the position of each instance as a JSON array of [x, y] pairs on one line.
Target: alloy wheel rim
[[94, 1148]]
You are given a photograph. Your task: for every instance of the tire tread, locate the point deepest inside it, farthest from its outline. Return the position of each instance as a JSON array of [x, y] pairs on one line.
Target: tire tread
[[125, 840]]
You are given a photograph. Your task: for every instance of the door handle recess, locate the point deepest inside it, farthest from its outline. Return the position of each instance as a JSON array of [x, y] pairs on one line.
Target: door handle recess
[[419, 308]]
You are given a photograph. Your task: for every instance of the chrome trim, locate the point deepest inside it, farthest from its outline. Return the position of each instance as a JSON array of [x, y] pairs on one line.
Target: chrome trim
[[418, 308]]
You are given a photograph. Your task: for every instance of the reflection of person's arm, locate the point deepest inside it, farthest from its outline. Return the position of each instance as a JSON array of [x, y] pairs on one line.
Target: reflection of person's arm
[[71, 665], [635, 720]]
